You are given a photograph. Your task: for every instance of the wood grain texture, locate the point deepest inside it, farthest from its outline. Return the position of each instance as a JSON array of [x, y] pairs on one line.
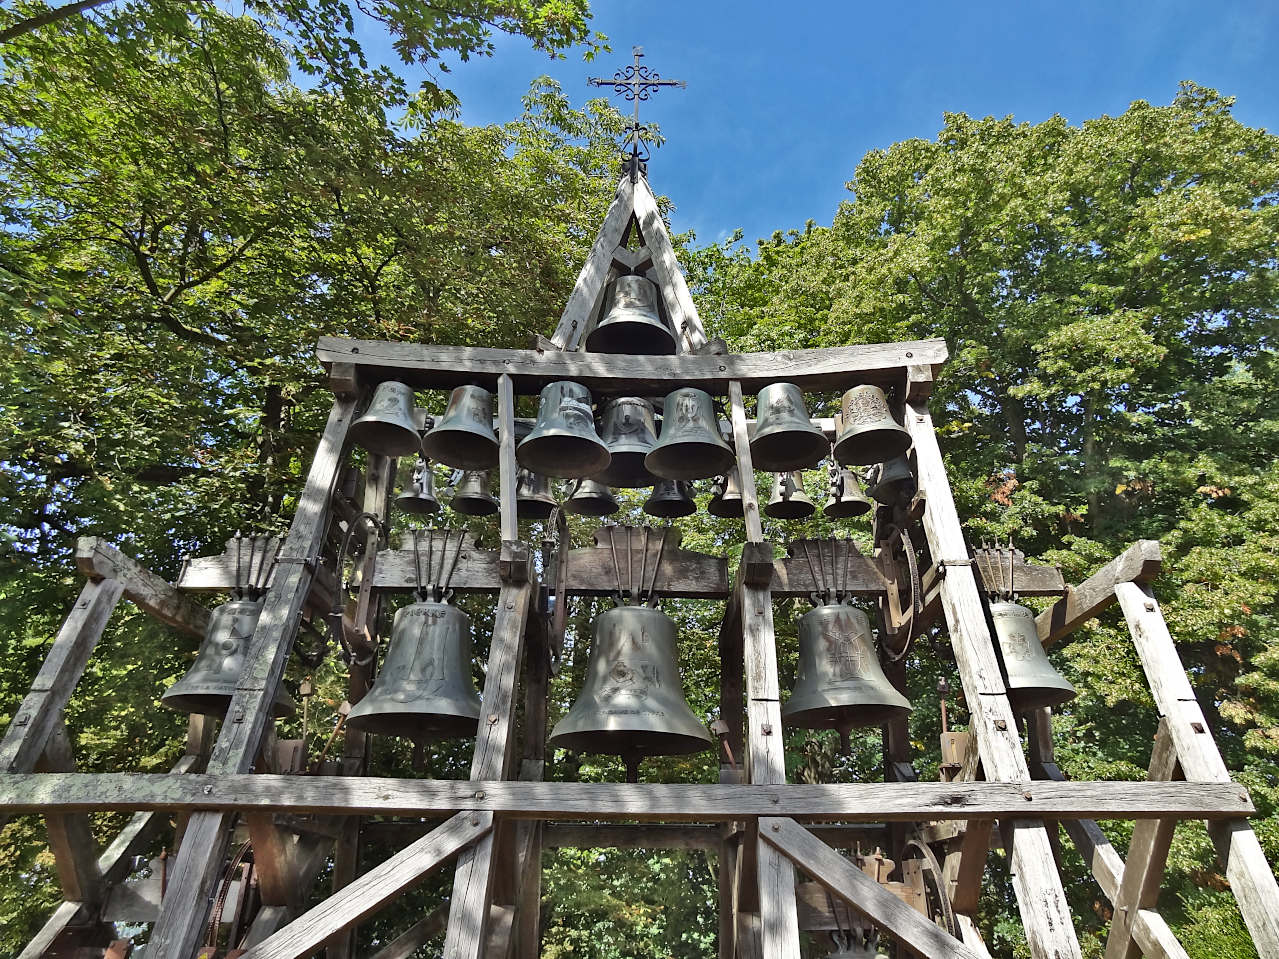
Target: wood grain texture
[[687, 325], [416, 936], [745, 465], [374, 889], [98, 559], [507, 466], [584, 302], [859, 890], [431, 366], [75, 851], [1139, 563]]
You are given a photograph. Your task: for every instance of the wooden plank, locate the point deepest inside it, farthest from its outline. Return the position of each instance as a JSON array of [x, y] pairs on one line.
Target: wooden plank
[[630, 836], [64, 917], [745, 466], [373, 890], [41, 709], [473, 879], [972, 938], [1147, 856], [792, 577], [1139, 563], [71, 839], [417, 935], [507, 466], [98, 559], [1251, 878], [199, 862], [497, 939], [584, 302], [859, 890], [430, 366], [1041, 899], [648, 802], [687, 325]]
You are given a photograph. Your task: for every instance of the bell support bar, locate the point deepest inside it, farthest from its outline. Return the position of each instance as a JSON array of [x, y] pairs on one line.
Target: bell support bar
[[426, 366]]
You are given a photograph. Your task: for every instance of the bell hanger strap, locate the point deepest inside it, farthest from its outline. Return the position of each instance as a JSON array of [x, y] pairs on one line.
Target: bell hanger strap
[[436, 586], [643, 590]]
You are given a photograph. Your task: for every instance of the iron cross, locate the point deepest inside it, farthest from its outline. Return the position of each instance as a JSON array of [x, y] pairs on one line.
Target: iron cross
[[635, 82]]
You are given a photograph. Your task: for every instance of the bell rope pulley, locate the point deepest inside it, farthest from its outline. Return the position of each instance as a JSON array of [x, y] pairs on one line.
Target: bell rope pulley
[[563, 441], [389, 426], [463, 437], [870, 434], [784, 438]]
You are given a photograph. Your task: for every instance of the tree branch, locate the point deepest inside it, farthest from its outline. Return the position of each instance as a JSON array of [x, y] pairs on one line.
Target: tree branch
[[52, 15]]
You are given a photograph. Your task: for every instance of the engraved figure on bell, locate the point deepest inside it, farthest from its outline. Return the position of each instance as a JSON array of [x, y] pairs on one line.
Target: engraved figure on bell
[[477, 412], [862, 408], [576, 412], [686, 411], [847, 658]]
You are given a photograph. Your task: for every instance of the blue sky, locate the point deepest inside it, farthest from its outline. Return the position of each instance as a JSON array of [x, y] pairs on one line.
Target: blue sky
[[783, 99]]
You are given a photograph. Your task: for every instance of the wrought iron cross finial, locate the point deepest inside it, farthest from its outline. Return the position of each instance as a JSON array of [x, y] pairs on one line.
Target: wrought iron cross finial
[[635, 82]]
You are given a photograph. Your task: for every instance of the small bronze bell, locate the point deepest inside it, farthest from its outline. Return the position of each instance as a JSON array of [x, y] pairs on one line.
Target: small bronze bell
[[839, 683], [419, 498], [671, 499], [726, 498], [1032, 679], [893, 481], [631, 323], [846, 497], [789, 501], [472, 496], [629, 435], [869, 434], [784, 437], [464, 437], [632, 702], [590, 498], [210, 683], [690, 446], [533, 499], [424, 690], [388, 426], [564, 441]]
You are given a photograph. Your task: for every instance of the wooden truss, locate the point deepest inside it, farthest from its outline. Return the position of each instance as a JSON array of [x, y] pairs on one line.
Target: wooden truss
[[493, 826]]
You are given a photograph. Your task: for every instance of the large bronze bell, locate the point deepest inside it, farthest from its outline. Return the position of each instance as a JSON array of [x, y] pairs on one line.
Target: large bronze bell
[[869, 433], [629, 434], [846, 497], [209, 684], [789, 501], [893, 481], [840, 684], [564, 441], [784, 437], [388, 426], [670, 499], [591, 498], [419, 497], [631, 323], [632, 702], [471, 497], [464, 437], [533, 498], [690, 446], [424, 690], [726, 498], [1032, 679]]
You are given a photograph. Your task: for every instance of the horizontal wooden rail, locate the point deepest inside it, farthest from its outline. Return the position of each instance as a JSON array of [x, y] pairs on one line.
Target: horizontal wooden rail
[[425, 366], [851, 802]]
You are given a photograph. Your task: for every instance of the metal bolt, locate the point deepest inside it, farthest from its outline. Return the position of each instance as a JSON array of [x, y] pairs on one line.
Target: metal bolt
[[510, 605], [759, 610], [208, 790], [768, 729], [1000, 724], [776, 827], [355, 349], [492, 718], [475, 820], [1028, 797], [909, 354], [919, 417], [1150, 605], [479, 794]]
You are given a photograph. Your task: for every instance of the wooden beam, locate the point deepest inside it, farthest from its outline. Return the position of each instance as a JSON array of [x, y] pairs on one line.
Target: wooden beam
[[417, 935], [429, 366], [584, 302], [630, 836], [41, 710], [792, 576], [1251, 878], [1139, 563], [687, 325], [381, 884], [1041, 899], [98, 559], [71, 839], [200, 859], [859, 890], [745, 465]]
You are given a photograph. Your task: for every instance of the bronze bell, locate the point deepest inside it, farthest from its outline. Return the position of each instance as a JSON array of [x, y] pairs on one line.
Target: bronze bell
[[869, 434], [1032, 679], [590, 498], [533, 499], [210, 682], [472, 497], [789, 501], [840, 684], [670, 498], [784, 437], [419, 498], [726, 499], [388, 426], [424, 690], [690, 446], [893, 481], [629, 434], [631, 323], [846, 496], [632, 701], [564, 441], [464, 438]]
